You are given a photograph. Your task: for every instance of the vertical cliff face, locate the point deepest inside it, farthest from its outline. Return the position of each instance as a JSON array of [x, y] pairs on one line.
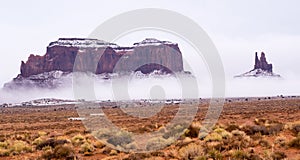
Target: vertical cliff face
[[262, 63], [261, 68], [98, 57]]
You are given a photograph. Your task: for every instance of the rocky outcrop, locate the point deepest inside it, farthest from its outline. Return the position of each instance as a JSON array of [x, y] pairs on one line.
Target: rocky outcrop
[[261, 68], [92, 56], [262, 63], [96, 56]]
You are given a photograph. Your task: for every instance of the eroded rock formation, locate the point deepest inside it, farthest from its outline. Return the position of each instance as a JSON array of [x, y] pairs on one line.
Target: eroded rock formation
[[96, 56], [262, 63], [261, 68]]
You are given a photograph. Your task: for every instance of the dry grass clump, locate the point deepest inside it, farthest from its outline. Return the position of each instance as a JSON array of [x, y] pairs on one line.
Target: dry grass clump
[[4, 151], [295, 143], [240, 154], [72, 131], [19, 147], [50, 142], [103, 133], [87, 148], [264, 143], [218, 134], [117, 138], [121, 138], [42, 133], [264, 127], [59, 152], [4, 144], [215, 154], [213, 137], [39, 140], [191, 151], [174, 132], [158, 143], [193, 130], [281, 141], [137, 156], [78, 140], [232, 127], [278, 155], [238, 140], [99, 144], [294, 127], [224, 134]]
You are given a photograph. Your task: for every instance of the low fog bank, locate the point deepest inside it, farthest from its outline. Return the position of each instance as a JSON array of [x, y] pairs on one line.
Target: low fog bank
[[155, 87]]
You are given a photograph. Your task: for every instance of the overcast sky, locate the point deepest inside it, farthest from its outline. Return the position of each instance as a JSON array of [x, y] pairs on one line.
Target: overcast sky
[[238, 28]]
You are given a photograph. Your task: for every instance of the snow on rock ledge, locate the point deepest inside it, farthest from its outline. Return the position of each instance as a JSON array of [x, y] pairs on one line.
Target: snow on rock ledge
[[82, 43]]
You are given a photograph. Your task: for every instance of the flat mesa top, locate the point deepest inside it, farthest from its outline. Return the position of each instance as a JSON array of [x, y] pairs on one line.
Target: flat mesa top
[[95, 43], [82, 42]]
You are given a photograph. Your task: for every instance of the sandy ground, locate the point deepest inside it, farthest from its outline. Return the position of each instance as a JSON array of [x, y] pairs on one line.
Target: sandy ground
[[53, 120]]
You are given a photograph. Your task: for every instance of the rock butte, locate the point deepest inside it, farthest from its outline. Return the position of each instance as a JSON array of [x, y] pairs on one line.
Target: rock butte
[[97, 56], [261, 68]]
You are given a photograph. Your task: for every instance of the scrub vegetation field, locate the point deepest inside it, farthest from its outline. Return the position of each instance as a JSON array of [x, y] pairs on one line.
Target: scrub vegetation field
[[265, 128]]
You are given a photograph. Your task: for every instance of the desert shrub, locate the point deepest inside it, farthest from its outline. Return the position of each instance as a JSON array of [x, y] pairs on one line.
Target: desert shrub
[[239, 154], [238, 140], [264, 126], [223, 133], [295, 143], [72, 131], [131, 146], [255, 157], [4, 152], [213, 137], [51, 142], [38, 141], [278, 155], [295, 127], [202, 135], [174, 132], [64, 151], [42, 133], [48, 153], [264, 143], [98, 144], [257, 136], [4, 144], [281, 141], [158, 154], [121, 138], [157, 143], [106, 150], [78, 140], [113, 152], [218, 145], [204, 157], [251, 130], [86, 147], [104, 133], [193, 130], [275, 128], [183, 142], [3, 137], [138, 156], [215, 154], [260, 121], [20, 147], [191, 151]]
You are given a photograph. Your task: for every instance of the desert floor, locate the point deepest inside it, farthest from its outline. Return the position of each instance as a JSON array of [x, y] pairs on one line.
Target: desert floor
[[248, 128]]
